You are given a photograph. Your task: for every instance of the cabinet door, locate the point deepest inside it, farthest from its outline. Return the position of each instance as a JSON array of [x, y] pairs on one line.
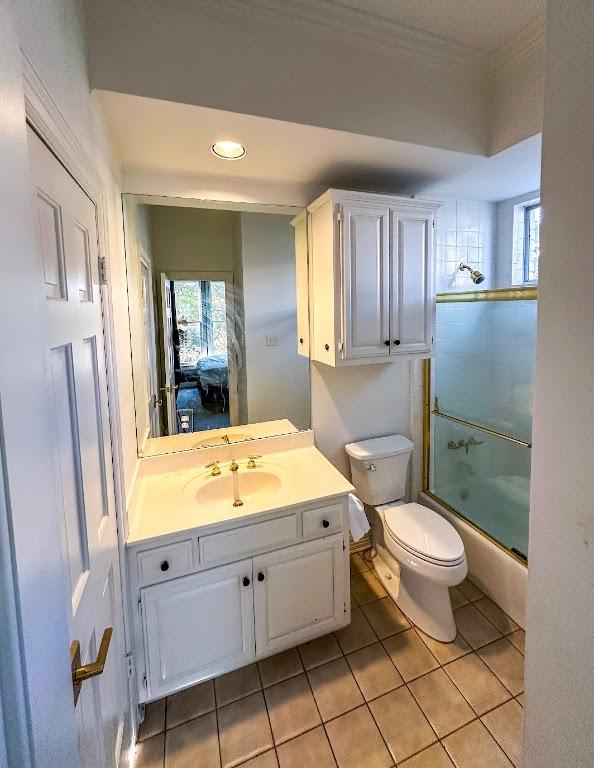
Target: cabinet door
[[411, 318], [298, 593], [198, 626], [365, 282]]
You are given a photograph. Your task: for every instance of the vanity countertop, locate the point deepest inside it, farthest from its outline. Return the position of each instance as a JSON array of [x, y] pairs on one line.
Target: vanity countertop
[[166, 503]]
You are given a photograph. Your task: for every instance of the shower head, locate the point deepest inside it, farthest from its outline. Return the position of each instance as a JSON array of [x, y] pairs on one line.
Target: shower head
[[476, 276]]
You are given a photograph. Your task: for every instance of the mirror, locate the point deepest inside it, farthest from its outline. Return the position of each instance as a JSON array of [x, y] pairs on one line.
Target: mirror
[[213, 323]]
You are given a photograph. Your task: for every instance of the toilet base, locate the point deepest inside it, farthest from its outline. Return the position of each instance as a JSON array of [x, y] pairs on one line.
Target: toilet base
[[426, 604]]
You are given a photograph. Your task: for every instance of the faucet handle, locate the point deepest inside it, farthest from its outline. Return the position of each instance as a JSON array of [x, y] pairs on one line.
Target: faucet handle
[[214, 465], [252, 460]]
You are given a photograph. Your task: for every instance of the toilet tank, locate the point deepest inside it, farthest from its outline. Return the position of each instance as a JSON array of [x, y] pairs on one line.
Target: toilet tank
[[378, 468]]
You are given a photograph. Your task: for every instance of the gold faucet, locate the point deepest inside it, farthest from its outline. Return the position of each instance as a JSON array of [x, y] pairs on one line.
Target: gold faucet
[[214, 465], [252, 461], [233, 466]]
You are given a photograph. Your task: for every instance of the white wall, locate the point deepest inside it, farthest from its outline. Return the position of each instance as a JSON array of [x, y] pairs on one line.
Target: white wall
[[505, 237], [357, 402], [560, 651], [277, 377]]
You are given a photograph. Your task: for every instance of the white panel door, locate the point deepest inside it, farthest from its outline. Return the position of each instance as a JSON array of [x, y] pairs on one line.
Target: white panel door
[[198, 626], [170, 389], [77, 396], [298, 593], [411, 277], [365, 275]]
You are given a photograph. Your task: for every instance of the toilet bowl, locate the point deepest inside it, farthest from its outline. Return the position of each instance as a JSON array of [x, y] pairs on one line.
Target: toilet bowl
[[421, 555]]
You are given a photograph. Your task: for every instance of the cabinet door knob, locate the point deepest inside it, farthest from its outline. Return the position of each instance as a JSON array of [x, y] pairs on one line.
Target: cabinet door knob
[[326, 347], [387, 343], [326, 523], [260, 576], [301, 340], [397, 341], [246, 582], [164, 565]]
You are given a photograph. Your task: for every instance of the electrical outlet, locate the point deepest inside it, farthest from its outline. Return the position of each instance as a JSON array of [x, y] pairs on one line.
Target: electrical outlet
[[271, 340]]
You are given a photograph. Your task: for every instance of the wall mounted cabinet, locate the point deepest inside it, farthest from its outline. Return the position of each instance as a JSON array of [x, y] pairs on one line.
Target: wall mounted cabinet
[[371, 285]]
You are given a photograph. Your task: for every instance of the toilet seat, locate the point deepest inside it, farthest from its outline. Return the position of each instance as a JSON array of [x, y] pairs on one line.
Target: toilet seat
[[423, 533]]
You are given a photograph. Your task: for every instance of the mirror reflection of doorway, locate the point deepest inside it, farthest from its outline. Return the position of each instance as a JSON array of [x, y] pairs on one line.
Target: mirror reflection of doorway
[[197, 344]]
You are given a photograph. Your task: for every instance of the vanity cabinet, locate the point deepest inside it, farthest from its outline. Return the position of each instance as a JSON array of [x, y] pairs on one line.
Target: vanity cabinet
[[208, 602], [371, 286]]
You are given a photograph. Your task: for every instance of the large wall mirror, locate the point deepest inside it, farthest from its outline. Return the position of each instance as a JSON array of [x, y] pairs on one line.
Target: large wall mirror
[[213, 323]]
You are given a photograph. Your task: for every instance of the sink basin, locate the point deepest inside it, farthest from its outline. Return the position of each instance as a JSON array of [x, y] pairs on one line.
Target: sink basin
[[253, 485], [234, 437]]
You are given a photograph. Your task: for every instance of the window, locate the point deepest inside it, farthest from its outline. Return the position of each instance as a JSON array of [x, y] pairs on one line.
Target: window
[[532, 215]]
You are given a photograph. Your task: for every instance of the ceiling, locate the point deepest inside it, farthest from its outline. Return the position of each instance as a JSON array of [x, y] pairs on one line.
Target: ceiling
[[483, 24], [176, 138]]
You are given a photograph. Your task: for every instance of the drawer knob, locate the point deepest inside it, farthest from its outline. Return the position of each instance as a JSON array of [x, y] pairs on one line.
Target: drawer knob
[[246, 582], [301, 340], [260, 576], [397, 341], [327, 347], [164, 565], [326, 523]]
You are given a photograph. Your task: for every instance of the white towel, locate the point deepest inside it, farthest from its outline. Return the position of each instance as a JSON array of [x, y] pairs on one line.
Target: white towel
[[358, 522]]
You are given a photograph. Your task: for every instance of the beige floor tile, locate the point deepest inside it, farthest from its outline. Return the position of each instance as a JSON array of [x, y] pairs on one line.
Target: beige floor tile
[[474, 627], [402, 724], [366, 587], [358, 564], [195, 742], [473, 746], [291, 708], [518, 638], [358, 633], [433, 757], [385, 617], [357, 742], [469, 590], [150, 753], [309, 749], [445, 652], [244, 730], [265, 760], [237, 684], [191, 703], [506, 724], [477, 683], [520, 698], [410, 654], [496, 616], [506, 662], [374, 672], [154, 720], [319, 651], [457, 598], [334, 689], [443, 704], [280, 667]]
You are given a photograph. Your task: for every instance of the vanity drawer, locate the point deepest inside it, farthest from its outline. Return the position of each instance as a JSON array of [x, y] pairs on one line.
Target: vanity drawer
[[164, 562], [322, 521], [227, 545]]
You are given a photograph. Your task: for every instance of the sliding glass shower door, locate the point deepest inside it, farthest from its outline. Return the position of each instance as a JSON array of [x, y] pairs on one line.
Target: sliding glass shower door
[[479, 411]]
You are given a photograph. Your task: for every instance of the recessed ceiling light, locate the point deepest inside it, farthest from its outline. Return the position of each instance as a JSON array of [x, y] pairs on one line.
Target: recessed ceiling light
[[228, 150]]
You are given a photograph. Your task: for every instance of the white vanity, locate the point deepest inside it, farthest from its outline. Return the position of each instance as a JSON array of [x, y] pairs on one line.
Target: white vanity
[[215, 586]]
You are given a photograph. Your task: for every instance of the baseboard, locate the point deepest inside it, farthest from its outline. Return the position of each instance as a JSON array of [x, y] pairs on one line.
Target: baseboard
[[361, 545]]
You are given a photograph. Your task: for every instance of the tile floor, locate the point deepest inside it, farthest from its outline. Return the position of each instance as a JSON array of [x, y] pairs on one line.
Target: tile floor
[[376, 694]]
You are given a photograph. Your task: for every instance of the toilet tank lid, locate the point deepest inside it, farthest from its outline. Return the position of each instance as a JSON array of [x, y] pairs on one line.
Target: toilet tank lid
[[379, 447]]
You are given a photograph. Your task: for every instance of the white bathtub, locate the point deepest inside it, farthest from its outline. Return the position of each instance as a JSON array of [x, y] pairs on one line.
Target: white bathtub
[[497, 573]]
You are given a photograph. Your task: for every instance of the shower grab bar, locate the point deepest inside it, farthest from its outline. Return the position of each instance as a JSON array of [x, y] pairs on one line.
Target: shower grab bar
[[492, 432]]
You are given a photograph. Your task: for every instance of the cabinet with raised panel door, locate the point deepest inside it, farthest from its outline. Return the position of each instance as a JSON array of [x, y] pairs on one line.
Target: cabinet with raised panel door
[[371, 286]]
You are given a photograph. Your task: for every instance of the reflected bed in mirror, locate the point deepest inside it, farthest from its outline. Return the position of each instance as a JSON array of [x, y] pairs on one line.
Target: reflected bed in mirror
[[213, 323]]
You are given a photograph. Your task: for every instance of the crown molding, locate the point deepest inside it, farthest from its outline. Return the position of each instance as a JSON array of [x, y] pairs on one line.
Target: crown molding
[[520, 48], [360, 27]]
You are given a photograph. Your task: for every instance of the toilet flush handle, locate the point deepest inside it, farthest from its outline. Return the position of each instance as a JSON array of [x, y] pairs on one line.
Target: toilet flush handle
[[371, 468]]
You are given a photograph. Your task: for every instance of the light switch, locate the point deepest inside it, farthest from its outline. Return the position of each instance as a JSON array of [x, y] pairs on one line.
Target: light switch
[[271, 340]]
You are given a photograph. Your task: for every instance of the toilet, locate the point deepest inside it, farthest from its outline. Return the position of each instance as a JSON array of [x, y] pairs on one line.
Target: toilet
[[419, 555]]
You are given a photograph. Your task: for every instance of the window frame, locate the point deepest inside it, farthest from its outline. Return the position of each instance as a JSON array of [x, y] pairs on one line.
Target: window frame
[[526, 260]]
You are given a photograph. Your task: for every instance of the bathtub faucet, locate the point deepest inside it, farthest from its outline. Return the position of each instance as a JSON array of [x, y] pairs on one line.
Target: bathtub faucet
[[466, 444]]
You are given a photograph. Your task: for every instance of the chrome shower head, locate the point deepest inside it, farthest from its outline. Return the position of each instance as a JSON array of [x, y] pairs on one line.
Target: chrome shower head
[[476, 276]]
